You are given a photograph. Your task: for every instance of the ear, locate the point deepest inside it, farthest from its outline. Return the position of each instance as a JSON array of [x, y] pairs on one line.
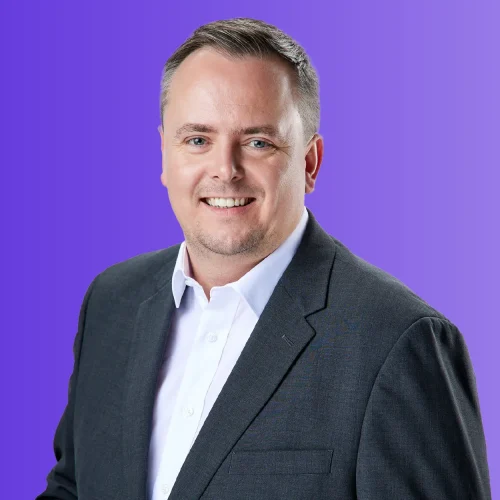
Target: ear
[[163, 178], [313, 159]]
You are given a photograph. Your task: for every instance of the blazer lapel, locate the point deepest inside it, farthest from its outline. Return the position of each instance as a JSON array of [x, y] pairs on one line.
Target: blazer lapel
[[279, 336], [147, 348]]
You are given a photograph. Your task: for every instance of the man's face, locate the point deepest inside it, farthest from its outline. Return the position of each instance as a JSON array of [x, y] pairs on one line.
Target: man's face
[[231, 129]]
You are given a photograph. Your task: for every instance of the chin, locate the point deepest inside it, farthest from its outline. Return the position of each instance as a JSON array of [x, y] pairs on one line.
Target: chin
[[229, 245]]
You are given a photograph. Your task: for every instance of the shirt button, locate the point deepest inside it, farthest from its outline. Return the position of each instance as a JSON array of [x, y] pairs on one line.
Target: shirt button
[[189, 412], [212, 337]]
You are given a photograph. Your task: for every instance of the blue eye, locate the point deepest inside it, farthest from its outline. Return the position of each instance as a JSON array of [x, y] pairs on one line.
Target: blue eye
[[196, 139], [262, 144]]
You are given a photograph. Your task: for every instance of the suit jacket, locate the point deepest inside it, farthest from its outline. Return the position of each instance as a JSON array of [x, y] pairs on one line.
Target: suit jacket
[[350, 386]]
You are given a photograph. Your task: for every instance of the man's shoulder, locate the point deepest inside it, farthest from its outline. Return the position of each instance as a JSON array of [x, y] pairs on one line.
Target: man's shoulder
[[140, 274], [378, 293], [144, 262]]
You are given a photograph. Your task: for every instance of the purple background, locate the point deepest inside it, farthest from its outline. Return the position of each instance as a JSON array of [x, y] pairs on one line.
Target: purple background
[[410, 182]]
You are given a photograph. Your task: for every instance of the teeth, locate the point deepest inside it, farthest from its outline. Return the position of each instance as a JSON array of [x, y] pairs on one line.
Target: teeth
[[227, 202]]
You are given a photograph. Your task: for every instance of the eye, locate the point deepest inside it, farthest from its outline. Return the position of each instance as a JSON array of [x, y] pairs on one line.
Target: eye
[[259, 144], [197, 141]]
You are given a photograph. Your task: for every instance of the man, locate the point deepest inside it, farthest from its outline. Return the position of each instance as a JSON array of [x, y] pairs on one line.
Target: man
[[260, 358]]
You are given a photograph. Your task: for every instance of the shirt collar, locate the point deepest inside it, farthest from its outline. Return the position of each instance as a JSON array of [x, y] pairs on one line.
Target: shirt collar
[[257, 285], [181, 274]]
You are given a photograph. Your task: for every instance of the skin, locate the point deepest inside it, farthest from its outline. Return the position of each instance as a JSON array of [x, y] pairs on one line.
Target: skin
[[225, 159]]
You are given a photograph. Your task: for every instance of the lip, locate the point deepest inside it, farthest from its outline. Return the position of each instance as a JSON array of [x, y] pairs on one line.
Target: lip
[[228, 212]]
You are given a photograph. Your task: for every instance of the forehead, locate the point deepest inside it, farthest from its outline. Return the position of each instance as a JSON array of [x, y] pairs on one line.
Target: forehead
[[210, 86]]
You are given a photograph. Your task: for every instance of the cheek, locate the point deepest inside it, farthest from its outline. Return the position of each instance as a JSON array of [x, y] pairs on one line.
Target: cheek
[[181, 176], [281, 180]]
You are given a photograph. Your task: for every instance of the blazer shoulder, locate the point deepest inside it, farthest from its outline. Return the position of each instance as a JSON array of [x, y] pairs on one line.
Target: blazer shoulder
[[144, 262], [141, 274], [377, 291]]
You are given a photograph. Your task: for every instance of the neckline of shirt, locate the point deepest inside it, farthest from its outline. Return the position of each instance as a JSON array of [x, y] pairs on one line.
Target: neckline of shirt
[[257, 285]]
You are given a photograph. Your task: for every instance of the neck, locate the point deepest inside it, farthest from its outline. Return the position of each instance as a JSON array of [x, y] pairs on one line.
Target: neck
[[210, 269]]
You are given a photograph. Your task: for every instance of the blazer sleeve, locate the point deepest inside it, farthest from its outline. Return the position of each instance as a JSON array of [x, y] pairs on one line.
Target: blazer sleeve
[[422, 435], [61, 483]]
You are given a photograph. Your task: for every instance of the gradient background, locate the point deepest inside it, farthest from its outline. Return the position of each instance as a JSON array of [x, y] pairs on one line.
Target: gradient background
[[410, 180]]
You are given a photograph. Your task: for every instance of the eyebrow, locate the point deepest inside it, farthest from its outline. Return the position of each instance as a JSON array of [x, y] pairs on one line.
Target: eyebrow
[[269, 130]]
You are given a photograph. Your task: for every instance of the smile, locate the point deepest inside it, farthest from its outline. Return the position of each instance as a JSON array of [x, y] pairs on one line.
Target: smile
[[227, 202], [227, 207]]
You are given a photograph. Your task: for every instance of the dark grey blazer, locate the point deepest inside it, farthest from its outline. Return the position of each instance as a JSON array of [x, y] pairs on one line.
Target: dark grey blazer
[[350, 386]]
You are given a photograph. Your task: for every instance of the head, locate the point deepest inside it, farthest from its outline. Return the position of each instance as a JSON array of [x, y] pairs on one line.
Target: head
[[239, 119]]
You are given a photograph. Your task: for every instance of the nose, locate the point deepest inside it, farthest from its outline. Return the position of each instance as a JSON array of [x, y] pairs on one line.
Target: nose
[[225, 164]]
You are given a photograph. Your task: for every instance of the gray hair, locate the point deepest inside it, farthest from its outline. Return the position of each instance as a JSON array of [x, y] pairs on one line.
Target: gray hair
[[240, 37]]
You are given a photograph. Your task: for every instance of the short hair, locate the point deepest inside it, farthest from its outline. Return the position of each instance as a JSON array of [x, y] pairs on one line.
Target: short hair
[[241, 37]]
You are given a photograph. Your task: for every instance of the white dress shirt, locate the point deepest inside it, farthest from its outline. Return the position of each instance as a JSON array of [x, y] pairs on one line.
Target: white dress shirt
[[205, 341]]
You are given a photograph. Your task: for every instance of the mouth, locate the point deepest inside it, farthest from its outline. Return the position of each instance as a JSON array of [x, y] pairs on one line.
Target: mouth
[[228, 203], [222, 209]]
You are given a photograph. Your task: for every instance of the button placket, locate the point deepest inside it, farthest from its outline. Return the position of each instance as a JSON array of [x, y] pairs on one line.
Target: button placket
[[212, 337], [165, 490], [188, 411], [201, 368]]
